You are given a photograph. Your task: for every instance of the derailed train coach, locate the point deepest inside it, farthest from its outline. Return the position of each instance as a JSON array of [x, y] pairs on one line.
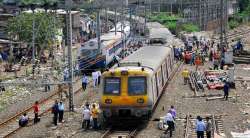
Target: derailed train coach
[[112, 44]]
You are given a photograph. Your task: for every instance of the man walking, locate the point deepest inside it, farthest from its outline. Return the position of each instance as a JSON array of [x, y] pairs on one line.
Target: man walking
[[226, 90], [173, 111], [55, 111], [61, 111], [86, 117], [36, 111], [200, 127], [208, 127], [95, 78], [185, 75], [99, 74], [170, 122], [84, 82]]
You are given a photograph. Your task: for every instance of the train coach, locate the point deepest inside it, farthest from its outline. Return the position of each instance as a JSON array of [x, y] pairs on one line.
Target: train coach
[[133, 87], [111, 45]]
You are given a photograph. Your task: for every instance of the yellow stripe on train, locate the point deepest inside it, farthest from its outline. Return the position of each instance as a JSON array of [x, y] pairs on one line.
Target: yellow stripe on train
[[124, 101]]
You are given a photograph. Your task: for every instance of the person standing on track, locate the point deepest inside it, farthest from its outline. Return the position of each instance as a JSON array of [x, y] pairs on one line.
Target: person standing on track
[[86, 117], [200, 127], [36, 111], [94, 113], [61, 111], [185, 75], [99, 74], [208, 127], [84, 82], [95, 78], [170, 122], [226, 90], [55, 111]]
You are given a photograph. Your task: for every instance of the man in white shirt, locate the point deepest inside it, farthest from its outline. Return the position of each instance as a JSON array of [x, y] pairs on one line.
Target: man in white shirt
[[66, 74], [23, 121], [86, 117], [99, 74], [170, 122], [95, 78]]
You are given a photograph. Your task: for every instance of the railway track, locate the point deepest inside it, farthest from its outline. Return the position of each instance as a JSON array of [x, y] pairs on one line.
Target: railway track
[[128, 129], [239, 33], [217, 125], [119, 134], [11, 126]]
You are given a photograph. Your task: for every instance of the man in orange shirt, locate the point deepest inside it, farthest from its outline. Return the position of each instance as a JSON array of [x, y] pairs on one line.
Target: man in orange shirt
[[94, 113]]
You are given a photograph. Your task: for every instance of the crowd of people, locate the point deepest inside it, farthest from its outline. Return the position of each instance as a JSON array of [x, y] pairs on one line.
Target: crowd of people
[[200, 126]]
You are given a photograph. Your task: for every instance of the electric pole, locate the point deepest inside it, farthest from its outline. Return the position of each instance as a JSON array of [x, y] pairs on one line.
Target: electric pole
[[223, 24], [33, 39], [68, 17], [98, 32]]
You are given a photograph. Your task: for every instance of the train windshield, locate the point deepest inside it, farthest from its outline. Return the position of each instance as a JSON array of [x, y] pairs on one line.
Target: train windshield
[[137, 85], [112, 86]]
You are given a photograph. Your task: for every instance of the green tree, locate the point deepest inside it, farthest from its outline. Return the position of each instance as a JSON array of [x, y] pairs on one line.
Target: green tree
[[244, 5], [46, 28]]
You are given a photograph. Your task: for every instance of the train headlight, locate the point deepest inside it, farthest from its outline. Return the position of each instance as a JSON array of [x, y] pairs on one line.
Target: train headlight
[[140, 100], [108, 101]]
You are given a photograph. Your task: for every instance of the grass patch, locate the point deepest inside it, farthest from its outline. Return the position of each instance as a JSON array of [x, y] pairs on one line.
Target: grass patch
[[190, 28], [169, 21]]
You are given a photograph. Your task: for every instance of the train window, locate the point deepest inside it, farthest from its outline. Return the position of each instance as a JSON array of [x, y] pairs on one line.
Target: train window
[[112, 86], [137, 85]]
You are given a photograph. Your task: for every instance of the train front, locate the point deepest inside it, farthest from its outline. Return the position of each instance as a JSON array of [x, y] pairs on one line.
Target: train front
[[124, 93]]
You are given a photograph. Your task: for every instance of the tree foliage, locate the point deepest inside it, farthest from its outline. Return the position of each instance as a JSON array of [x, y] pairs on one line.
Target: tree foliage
[[244, 5], [46, 27]]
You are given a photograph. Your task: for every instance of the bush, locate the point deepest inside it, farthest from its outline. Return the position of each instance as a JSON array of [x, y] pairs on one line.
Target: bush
[[163, 18], [171, 26], [233, 24], [190, 28], [167, 20]]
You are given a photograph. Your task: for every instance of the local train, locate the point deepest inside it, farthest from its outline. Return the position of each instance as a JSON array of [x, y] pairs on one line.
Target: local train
[[111, 45], [133, 87]]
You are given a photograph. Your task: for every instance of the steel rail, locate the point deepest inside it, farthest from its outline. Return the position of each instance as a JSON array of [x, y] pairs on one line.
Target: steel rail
[[29, 109]]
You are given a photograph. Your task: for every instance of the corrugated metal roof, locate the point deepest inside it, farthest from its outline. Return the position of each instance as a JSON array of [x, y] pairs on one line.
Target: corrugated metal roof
[[149, 56]]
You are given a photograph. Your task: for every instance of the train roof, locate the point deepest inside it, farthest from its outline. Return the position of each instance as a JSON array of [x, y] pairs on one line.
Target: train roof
[[156, 30], [106, 40], [149, 56]]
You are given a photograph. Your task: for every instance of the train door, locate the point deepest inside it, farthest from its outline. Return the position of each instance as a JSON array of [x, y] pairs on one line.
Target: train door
[[166, 68], [164, 72], [171, 63], [153, 89], [162, 76], [169, 67], [156, 84]]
